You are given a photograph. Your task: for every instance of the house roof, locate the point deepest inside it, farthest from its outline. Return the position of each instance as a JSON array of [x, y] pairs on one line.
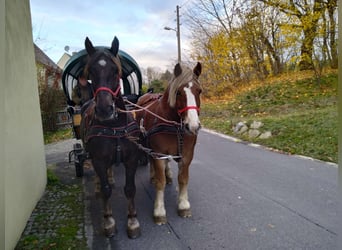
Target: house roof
[[42, 58]]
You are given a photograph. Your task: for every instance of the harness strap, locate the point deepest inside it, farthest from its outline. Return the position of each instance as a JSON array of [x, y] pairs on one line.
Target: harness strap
[[109, 132], [164, 128]]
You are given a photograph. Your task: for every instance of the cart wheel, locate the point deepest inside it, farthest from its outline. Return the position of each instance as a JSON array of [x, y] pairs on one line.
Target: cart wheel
[[79, 169], [79, 159]]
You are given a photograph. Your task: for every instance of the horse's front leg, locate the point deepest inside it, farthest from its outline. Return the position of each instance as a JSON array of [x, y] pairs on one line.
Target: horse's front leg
[[101, 169], [159, 213], [183, 179], [133, 225]]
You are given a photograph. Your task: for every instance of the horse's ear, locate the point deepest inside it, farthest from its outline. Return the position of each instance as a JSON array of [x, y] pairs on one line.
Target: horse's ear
[[89, 46], [115, 46], [178, 70], [198, 69]]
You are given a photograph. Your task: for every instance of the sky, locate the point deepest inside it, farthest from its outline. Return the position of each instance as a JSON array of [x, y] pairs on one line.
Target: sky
[[139, 26]]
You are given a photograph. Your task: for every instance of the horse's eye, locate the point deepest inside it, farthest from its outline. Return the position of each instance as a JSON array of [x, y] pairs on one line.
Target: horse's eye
[[178, 93]]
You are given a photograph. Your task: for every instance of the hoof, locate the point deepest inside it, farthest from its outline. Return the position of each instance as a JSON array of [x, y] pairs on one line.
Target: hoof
[[133, 233], [185, 213], [109, 227], [110, 232], [160, 220]]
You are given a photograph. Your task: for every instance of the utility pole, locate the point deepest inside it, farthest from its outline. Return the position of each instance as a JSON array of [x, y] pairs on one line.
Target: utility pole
[[178, 36], [177, 33]]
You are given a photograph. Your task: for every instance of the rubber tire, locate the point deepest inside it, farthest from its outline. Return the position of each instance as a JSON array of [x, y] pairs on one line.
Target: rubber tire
[[79, 169]]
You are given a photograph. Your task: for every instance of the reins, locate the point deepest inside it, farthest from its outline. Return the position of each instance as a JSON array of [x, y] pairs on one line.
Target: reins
[[141, 108]]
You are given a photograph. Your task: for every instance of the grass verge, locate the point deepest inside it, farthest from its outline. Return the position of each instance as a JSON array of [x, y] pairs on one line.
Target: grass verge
[[302, 115], [57, 220], [61, 134]]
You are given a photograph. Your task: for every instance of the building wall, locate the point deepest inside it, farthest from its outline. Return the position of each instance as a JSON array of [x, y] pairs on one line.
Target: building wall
[[2, 126], [24, 158]]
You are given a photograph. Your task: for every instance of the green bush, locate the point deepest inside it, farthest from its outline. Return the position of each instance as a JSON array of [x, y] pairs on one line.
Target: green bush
[[51, 100]]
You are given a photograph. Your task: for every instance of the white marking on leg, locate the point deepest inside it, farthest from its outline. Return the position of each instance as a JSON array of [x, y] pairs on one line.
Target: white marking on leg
[[133, 223], [183, 200], [102, 62], [192, 115], [159, 208]]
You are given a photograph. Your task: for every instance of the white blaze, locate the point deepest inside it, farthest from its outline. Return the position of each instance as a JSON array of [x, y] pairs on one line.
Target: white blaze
[[191, 118]]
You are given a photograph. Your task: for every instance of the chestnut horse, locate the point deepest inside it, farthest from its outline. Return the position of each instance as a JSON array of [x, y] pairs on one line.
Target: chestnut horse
[[171, 122], [108, 134]]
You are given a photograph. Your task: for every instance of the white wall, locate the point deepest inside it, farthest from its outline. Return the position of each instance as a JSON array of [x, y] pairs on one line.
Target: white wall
[[24, 159], [2, 127]]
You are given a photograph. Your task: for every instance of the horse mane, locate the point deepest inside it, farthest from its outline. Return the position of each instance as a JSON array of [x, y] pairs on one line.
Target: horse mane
[[186, 76]]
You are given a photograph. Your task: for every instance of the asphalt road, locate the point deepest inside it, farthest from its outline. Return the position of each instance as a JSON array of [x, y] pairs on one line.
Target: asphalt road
[[242, 197]]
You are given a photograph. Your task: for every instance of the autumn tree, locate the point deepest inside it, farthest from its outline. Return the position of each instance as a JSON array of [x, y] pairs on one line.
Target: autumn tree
[[331, 11], [237, 40], [308, 14]]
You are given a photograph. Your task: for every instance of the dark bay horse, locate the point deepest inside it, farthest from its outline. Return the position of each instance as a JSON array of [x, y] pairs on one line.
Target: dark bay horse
[[171, 122], [108, 134]]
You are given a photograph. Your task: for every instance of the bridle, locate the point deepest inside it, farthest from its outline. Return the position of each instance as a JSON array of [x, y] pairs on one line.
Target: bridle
[[180, 111], [113, 93]]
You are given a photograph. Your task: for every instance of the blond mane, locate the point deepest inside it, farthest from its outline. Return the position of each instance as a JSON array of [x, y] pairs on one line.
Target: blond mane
[[185, 77]]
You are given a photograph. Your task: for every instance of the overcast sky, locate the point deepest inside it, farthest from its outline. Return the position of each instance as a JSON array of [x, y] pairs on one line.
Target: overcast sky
[[139, 26]]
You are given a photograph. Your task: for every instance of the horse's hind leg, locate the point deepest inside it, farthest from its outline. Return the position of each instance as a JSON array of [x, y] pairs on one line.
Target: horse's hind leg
[[168, 172], [133, 225], [183, 200], [111, 176], [97, 181], [159, 212], [151, 170]]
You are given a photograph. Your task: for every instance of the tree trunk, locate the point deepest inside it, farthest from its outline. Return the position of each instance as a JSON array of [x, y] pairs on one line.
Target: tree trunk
[[309, 32], [333, 47]]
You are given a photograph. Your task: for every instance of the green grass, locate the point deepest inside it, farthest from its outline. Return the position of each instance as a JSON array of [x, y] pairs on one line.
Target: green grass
[[58, 219], [302, 115], [52, 178], [62, 134]]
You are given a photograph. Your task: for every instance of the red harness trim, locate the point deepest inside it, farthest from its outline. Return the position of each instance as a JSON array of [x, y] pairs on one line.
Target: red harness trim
[[187, 108], [108, 90]]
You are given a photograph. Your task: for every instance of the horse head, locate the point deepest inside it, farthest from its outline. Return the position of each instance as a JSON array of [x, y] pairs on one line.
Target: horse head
[[104, 70], [184, 96]]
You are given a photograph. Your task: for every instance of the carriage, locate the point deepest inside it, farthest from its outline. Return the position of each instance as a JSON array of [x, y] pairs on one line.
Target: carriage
[[131, 89]]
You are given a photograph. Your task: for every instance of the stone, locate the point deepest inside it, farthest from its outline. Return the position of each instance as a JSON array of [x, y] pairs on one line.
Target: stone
[[243, 129], [238, 126], [256, 125], [266, 135], [253, 133]]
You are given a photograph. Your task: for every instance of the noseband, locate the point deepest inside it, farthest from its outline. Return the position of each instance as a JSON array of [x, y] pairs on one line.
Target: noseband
[[180, 111], [114, 94]]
